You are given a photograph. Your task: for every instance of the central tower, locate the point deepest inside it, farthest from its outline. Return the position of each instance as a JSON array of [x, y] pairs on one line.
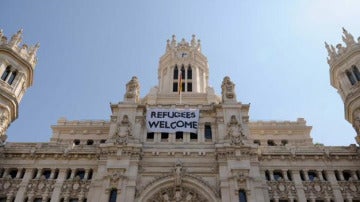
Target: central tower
[[183, 69]]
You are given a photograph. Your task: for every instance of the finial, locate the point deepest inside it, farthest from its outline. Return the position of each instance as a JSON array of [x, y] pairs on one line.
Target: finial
[[34, 49], [328, 48], [173, 41], [198, 45], [193, 40], [167, 45], [347, 38], [16, 38]]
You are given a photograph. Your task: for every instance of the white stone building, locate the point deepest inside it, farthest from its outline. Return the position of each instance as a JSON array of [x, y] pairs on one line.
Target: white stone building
[[227, 158]]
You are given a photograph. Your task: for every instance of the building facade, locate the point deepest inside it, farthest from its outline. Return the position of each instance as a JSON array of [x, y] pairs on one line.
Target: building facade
[[227, 158]]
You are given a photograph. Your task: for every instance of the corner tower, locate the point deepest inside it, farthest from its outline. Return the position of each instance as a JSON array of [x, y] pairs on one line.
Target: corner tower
[[344, 62], [17, 64], [183, 68]]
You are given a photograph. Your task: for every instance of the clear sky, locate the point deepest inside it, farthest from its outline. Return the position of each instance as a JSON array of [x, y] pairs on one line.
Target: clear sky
[[272, 50]]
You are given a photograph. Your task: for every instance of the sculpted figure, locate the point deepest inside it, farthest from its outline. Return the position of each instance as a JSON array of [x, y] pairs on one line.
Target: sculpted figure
[[133, 89], [228, 89]]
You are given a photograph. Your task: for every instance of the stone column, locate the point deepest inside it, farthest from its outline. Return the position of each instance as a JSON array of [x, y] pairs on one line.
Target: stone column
[[319, 174], [56, 195], [52, 174], [18, 173], [284, 172], [271, 174], [306, 176], [86, 175], [335, 186], [299, 186], [38, 174], [353, 175], [20, 195]]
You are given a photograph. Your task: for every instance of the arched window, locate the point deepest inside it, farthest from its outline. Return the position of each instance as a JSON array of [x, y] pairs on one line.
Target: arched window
[[12, 77], [208, 132], [6, 73], [182, 72], [113, 195], [350, 77], [189, 72], [176, 77], [176, 72], [242, 196], [356, 72]]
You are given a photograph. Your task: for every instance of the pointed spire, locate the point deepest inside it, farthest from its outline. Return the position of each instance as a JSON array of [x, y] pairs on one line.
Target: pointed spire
[[347, 38], [16, 38], [1, 36], [34, 49], [173, 41], [328, 48], [167, 45], [193, 40]]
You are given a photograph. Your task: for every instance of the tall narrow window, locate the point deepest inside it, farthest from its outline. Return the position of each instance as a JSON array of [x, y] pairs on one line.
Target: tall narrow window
[[356, 72], [12, 78], [189, 87], [113, 195], [267, 175], [242, 196], [189, 72], [6, 73], [208, 133], [182, 72], [350, 77], [90, 175], [175, 86], [176, 72]]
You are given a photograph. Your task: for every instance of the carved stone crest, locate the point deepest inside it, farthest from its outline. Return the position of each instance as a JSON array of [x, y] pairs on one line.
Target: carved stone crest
[[122, 131]]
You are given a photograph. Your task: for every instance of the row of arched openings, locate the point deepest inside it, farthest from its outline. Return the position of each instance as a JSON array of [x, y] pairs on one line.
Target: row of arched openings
[[9, 75], [353, 75], [182, 79]]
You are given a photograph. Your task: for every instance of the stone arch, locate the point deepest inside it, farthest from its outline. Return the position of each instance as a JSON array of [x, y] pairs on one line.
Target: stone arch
[[199, 188]]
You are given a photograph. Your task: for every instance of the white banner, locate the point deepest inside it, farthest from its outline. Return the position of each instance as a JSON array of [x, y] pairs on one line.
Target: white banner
[[172, 120]]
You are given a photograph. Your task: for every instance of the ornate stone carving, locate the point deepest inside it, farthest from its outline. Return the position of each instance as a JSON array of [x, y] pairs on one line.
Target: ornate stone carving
[[122, 132], [356, 122], [281, 189], [4, 123], [173, 194], [133, 90], [235, 131], [178, 173], [228, 89]]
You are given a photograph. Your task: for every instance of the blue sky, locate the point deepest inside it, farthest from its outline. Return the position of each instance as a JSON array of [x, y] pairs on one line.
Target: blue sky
[[273, 51]]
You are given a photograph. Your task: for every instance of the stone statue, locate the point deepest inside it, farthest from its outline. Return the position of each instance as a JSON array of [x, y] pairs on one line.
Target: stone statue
[[235, 131], [178, 173], [133, 89], [228, 89]]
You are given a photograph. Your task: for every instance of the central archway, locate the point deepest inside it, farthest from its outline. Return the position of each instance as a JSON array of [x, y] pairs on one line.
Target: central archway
[[190, 190]]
